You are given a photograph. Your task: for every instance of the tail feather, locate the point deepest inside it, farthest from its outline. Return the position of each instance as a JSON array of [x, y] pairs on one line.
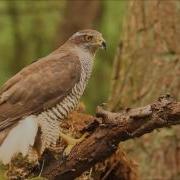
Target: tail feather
[[19, 139], [3, 134]]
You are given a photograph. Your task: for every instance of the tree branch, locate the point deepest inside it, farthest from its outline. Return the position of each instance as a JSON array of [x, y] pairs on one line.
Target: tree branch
[[112, 129]]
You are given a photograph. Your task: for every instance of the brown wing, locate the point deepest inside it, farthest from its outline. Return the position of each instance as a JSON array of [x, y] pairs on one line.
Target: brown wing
[[38, 86]]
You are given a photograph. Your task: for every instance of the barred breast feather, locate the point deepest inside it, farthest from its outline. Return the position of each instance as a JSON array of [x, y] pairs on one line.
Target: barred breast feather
[[50, 120]]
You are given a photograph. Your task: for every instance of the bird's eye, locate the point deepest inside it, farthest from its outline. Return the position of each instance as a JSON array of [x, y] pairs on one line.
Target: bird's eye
[[88, 38]]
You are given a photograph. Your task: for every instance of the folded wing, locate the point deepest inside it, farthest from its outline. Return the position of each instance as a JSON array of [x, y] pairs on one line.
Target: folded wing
[[37, 87]]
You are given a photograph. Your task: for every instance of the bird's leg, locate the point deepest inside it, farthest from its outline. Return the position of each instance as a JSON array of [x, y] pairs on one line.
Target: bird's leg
[[71, 142], [33, 156]]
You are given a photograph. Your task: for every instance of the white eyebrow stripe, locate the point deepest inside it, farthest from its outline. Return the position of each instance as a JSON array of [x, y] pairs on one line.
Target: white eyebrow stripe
[[79, 34]]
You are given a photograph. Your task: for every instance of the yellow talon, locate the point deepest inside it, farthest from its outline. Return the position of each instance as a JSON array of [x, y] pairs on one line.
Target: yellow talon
[[71, 142]]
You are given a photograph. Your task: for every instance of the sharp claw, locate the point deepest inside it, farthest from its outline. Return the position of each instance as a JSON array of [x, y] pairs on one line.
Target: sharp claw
[[71, 142], [68, 150]]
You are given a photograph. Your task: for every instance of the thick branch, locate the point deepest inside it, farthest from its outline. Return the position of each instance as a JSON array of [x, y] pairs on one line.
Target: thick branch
[[112, 129]]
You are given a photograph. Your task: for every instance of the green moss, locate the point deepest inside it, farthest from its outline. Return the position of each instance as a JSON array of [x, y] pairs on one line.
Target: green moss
[[2, 172]]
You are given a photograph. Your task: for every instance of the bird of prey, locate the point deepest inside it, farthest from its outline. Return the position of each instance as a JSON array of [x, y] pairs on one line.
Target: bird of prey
[[41, 96]]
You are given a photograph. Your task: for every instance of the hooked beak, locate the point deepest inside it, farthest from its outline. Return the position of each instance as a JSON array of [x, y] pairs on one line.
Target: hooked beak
[[103, 45]]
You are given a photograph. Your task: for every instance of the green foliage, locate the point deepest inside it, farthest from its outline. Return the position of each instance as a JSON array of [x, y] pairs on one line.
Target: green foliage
[[31, 25], [2, 172]]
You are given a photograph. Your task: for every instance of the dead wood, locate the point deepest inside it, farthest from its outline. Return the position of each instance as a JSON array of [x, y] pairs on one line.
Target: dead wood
[[111, 129]]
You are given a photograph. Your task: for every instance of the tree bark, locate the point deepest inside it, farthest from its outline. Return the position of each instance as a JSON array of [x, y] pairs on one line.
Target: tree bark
[[147, 65], [111, 129]]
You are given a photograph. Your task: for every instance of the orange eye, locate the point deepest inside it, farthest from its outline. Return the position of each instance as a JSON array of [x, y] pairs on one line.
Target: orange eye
[[88, 38]]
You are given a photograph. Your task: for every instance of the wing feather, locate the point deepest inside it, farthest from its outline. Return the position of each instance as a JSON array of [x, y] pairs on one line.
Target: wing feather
[[39, 86]]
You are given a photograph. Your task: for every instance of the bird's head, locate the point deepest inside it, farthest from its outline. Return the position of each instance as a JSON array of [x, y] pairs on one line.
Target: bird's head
[[88, 39]]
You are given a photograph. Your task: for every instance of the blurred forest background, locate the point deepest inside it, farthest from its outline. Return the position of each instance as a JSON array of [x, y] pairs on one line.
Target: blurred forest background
[[143, 41], [32, 29]]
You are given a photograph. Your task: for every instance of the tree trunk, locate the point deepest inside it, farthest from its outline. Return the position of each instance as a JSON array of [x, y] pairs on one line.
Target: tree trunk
[[79, 14], [147, 65], [19, 48]]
